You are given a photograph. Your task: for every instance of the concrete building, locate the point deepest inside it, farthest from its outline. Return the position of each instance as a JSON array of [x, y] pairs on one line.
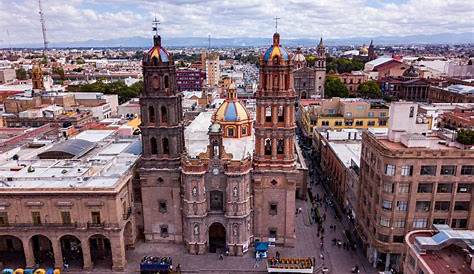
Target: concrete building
[[451, 94], [69, 201], [190, 79], [212, 69], [458, 119], [224, 180], [410, 179], [439, 251], [129, 109], [7, 75], [352, 80]]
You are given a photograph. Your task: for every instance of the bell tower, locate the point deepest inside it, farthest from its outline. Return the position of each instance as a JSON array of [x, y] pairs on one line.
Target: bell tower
[[320, 69], [275, 173], [163, 144]]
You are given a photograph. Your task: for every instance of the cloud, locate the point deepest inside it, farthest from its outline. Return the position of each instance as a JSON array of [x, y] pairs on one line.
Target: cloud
[[77, 20]]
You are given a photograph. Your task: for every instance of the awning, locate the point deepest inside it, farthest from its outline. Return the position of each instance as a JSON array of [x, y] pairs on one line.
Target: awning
[[261, 246]]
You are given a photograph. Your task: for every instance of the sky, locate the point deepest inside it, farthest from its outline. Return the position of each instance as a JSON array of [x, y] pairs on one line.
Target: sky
[[80, 20]]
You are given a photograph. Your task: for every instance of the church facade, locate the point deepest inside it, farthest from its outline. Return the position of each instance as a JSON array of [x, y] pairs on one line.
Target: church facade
[[228, 178], [309, 80]]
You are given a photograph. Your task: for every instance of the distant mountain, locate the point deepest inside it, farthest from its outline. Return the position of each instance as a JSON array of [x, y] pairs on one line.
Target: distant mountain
[[445, 38]]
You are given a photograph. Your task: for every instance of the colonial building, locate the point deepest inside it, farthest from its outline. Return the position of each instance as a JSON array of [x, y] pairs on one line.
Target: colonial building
[[309, 81], [218, 183]]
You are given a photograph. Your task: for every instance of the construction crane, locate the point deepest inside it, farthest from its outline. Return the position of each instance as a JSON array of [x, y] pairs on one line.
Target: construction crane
[[43, 26]]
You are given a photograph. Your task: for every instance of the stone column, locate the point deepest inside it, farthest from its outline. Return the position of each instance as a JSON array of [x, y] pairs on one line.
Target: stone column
[[274, 148], [118, 253], [86, 254], [28, 250], [58, 253]]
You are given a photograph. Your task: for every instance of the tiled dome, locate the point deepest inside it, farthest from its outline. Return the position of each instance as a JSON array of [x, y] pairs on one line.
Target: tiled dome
[[158, 52], [276, 50]]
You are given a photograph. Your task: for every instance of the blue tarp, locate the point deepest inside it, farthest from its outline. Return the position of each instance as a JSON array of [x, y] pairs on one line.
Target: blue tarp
[[261, 246]]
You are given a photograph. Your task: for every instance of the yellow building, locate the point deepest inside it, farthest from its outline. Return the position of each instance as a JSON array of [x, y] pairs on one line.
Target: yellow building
[[343, 113]]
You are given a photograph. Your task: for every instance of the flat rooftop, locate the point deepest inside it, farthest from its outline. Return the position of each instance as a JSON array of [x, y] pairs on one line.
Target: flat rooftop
[[347, 151]]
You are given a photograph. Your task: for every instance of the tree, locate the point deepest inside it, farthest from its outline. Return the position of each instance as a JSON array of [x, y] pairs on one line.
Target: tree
[[465, 137], [119, 88], [80, 61], [310, 60], [333, 87], [342, 65], [21, 74], [369, 89], [59, 71]]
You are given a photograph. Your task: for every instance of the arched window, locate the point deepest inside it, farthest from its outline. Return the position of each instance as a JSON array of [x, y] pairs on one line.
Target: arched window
[[160, 180], [268, 114], [166, 146], [280, 146], [268, 147], [244, 130], [215, 147], [154, 61], [230, 132], [281, 114], [151, 114], [167, 81], [164, 115], [153, 146]]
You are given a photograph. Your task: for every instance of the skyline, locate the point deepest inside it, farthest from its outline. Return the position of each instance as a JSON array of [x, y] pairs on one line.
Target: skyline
[[82, 20]]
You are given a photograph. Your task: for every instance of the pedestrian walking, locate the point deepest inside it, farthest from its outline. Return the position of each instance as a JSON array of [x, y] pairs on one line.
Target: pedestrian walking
[[256, 263], [277, 255], [221, 257]]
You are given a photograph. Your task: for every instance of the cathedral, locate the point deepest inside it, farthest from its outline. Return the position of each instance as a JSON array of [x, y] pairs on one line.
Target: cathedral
[[230, 177], [309, 80]]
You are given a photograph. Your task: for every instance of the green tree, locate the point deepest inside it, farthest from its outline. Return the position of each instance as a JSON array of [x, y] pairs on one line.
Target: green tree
[[80, 61], [465, 137], [310, 60], [333, 87], [342, 65], [369, 89], [58, 71], [21, 74]]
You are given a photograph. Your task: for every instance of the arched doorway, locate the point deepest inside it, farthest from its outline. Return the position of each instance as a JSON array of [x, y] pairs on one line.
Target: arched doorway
[[128, 235], [217, 238], [101, 252], [12, 252], [72, 251], [42, 250]]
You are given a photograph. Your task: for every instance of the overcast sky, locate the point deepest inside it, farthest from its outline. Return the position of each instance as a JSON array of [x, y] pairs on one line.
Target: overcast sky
[[78, 20]]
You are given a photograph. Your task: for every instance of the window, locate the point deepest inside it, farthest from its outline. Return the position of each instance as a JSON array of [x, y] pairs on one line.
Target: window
[[280, 146], [428, 170], [338, 123], [167, 81], [399, 223], [166, 146], [268, 147], [442, 205], [348, 122], [440, 221], [448, 170], [273, 210], [412, 112], [371, 123], [425, 188], [387, 205], [423, 206], [382, 123], [385, 221], [3, 219], [404, 188], [268, 114], [217, 200], [95, 217], [160, 180], [244, 130], [66, 217], [164, 115], [383, 238], [388, 187], [407, 170], [281, 114], [272, 233], [389, 170], [371, 114], [462, 206], [230, 132], [348, 114], [162, 206], [164, 231], [459, 223], [153, 146], [402, 205], [464, 188], [444, 188], [383, 114], [420, 222], [467, 170], [398, 238], [151, 114], [359, 123], [36, 216], [325, 123]]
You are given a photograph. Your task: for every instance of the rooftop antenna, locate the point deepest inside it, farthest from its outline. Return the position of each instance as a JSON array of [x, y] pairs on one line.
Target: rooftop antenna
[[276, 23], [43, 26]]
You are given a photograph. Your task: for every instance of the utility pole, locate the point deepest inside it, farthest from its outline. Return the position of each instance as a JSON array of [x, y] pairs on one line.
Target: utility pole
[[43, 26]]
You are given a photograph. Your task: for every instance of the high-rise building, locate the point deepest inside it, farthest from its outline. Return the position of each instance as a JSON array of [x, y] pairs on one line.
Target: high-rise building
[[410, 179], [212, 69]]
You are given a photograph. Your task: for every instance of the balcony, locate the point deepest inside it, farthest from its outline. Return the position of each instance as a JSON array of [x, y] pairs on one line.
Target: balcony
[[41, 225], [128, 213]]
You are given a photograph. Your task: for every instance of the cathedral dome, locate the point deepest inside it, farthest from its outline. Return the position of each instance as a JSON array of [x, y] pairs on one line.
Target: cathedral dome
[[411, 73], [276, 50], [299, 56], [231, 111], [157, 54], [363, 50]]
